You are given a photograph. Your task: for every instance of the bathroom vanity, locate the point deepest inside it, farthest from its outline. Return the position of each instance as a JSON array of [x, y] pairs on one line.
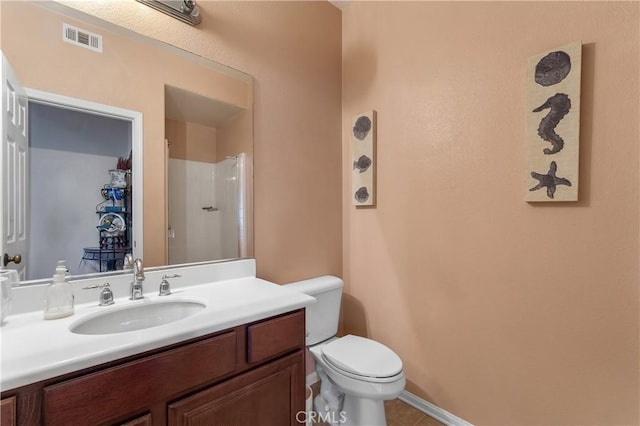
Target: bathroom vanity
[[238, 361], [253, 373]]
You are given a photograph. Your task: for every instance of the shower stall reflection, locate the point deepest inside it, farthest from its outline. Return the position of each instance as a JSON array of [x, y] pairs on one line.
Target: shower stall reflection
[[207, 206]]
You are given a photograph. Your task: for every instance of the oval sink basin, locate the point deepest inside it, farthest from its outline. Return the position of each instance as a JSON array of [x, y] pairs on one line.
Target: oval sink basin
[[136, 317]]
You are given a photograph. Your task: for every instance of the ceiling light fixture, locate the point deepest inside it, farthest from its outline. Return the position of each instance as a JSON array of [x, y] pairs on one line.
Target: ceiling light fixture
[[184, 10]]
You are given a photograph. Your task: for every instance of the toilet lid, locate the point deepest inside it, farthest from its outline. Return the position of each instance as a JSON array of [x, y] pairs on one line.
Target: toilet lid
[[362, 356]]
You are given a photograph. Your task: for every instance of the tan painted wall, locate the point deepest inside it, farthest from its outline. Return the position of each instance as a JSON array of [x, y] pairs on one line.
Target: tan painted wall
[[234, 136], [292, 49], [196, 142], [191, 141], [505, 313], [127, 75], [175, 131]]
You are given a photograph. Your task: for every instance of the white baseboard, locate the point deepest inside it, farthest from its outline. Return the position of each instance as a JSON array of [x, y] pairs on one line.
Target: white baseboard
[[431, 410]]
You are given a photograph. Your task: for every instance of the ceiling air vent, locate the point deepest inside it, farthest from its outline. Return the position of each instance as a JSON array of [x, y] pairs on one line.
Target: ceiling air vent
[[80, 37]]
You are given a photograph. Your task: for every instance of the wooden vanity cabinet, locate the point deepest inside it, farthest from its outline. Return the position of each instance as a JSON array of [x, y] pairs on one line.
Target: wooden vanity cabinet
[[250, 374], [8, 411]]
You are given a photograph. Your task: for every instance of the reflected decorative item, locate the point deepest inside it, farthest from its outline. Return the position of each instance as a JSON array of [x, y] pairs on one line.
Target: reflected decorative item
[[118, 178], [363, 151], [553, 124], [111, 223], [113, 200]]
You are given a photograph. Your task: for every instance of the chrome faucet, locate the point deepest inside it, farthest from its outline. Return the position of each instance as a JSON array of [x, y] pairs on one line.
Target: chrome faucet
[[165, 287], [127, 262], [135, 292], [106, 295]]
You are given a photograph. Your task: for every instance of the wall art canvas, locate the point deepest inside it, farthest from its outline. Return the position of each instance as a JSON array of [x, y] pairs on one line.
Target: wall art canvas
[[553, 124], [363, 152]]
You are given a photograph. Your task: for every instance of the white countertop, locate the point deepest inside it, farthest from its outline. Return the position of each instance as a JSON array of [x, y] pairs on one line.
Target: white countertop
[[34, 349]]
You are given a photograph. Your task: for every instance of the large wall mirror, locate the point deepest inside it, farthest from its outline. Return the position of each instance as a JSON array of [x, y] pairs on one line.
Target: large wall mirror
[[133, 146]]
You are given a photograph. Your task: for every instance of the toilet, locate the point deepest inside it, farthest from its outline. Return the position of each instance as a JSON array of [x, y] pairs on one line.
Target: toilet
[[357, 374]]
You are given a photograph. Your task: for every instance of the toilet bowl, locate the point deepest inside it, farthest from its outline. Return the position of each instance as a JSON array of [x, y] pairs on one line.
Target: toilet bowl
[[357, 374], [365, 371]]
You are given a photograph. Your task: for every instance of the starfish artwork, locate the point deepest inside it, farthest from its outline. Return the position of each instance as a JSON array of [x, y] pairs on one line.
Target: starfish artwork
[[550, 180]]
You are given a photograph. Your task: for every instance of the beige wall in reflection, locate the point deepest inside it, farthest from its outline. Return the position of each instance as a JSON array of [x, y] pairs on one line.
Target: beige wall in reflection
[[191, 141]]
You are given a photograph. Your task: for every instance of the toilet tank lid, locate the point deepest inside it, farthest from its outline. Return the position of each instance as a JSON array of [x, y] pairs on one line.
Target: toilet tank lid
[[316, 285], [362, 356]]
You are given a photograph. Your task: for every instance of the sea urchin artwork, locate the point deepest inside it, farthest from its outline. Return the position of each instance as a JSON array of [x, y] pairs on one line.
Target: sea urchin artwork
[[362, 164], [553, 68], [363, 155], [362, 127], [559, 105], [550, 180], [362, 194]]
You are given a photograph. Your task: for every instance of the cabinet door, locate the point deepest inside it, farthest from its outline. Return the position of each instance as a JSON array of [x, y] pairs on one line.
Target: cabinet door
[[267, 396], [8, 411]]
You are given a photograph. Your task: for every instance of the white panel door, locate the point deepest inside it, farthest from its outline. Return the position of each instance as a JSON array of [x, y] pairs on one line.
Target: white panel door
[[14, 184]]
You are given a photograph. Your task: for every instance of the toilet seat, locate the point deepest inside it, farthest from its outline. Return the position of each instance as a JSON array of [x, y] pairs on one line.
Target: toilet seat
[[362, 359]]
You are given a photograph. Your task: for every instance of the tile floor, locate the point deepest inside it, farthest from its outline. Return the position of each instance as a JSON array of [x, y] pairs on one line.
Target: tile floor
[[398, 413]]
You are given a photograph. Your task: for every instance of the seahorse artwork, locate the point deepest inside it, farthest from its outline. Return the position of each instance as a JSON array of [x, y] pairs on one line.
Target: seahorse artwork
[[559, 105], [363, 154], [553, 124]]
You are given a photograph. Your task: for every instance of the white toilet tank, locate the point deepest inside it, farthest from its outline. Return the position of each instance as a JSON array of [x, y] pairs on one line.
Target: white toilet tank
[[322, 316]]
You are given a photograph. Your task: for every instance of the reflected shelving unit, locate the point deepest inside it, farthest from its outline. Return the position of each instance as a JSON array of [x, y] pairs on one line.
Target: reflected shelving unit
[[114, 226]]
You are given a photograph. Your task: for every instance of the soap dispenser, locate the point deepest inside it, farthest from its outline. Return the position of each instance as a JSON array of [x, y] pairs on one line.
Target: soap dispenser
[[59, 299]]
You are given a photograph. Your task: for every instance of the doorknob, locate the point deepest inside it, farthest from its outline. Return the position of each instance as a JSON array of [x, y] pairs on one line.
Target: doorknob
[[15, 259]]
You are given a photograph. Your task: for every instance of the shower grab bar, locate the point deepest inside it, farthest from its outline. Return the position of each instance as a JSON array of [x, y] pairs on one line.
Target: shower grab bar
[[210, 209]]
